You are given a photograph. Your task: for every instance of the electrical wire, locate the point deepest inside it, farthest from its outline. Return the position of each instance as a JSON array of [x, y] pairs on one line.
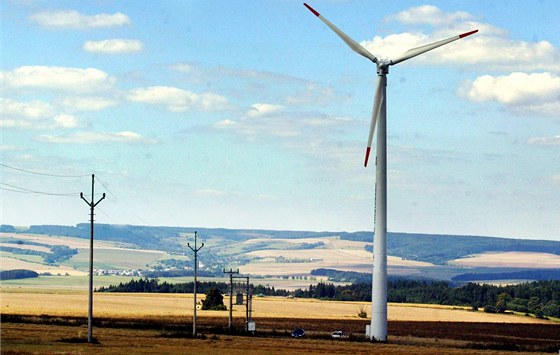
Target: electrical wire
[[29, 191], [106, 188], [128, 229], [43, 174]]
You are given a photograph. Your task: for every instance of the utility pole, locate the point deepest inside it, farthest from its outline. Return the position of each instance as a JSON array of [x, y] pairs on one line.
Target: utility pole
[[247, 303], [247, 308], [195, 251], [90, 300], [230, 272]]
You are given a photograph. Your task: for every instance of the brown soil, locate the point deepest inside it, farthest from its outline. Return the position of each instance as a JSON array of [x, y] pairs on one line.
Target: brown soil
[[173, 335]]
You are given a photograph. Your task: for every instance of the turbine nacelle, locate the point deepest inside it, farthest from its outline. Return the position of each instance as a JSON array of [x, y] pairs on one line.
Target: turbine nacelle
[[383, 66]]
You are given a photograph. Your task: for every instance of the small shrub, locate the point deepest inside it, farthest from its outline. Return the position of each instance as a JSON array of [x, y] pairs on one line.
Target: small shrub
[[362, 312]]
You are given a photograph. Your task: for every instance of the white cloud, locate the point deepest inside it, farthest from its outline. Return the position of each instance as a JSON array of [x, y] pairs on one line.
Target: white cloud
[[87, 103], [33, 110], [72, 19], [546, 141], [34, 115], [64, 120], [9, 148], [113, 46], [264, 121], [429, 14], [178, 100], [491, 47], [97, 137], [57, 78], [520, 92], [263, 109]]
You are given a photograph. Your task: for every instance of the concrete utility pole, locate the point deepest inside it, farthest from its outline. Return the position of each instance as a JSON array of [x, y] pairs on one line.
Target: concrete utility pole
[[195, 251], [247, 318], [90, 300], [230, 272]]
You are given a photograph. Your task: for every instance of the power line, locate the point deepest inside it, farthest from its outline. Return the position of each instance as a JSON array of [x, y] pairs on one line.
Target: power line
[[106, 188], [29, 191], [124, 226], [43, 174], [116, 200]]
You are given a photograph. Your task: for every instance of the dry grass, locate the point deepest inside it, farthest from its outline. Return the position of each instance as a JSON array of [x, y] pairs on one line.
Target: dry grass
[[511, 259], [134, 305]]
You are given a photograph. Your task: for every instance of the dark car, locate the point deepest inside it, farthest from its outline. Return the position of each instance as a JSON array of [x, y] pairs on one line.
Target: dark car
[[298, 333]]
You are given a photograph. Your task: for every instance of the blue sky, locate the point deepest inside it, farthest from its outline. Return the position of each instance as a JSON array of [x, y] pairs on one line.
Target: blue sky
[[253, 114]]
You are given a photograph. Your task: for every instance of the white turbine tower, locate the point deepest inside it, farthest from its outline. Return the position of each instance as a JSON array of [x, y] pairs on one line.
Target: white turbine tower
[[378, 327]]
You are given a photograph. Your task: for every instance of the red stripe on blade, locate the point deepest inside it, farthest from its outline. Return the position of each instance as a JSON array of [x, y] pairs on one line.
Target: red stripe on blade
[[367, 155], [468, 33], [312, 10]]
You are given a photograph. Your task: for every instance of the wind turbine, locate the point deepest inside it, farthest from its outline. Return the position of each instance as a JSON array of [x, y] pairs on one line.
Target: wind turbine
[[378, 326]]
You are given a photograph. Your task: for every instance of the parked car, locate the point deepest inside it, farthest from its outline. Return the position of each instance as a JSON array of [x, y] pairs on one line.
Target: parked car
[[298, 333], [337, 334]]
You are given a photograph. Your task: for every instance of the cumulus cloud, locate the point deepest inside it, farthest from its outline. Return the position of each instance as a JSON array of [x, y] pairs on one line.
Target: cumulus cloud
[[545, 141], [97, 137], [72, 19], [113, 46], [34, 115], [57, 78], [178, 100], [260, 109], [33, 110], [429, 14], [490, 47], [521, 93], [64, 120]]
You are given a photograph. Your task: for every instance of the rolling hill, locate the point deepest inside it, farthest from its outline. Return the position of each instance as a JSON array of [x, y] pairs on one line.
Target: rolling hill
[[268, 252]]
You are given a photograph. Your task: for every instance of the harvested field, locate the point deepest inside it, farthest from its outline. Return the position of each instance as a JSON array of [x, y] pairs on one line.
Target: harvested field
[[511, 259], [35, 321], [57, 240], [9, 263], [335, 253], [134, 305]]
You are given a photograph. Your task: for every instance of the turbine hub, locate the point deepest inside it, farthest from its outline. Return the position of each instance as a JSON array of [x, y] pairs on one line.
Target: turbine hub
[[383, 67]]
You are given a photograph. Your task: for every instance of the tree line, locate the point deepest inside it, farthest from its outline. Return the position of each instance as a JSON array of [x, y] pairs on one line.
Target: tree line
[[155, 286], [541, 298]]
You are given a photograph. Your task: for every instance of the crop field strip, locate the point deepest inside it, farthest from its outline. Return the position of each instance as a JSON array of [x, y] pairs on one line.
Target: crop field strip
[[132, 305]]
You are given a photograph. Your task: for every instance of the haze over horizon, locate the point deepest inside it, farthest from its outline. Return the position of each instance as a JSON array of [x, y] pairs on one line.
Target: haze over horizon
[[254, 115]]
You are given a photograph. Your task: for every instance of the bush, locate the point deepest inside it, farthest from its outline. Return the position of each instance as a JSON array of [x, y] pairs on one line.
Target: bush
[[362, 312], [214, 300], [490, 309]]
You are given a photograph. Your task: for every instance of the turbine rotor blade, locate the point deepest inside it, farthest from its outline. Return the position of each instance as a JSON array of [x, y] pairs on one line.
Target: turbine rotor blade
[[374, 115], [355, 46], [428, 47]]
